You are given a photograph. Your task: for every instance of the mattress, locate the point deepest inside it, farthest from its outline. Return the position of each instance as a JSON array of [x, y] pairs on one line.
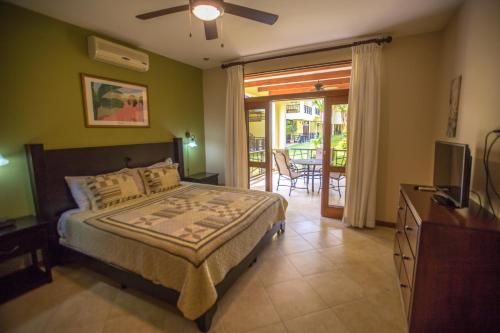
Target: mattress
[[186, 239]]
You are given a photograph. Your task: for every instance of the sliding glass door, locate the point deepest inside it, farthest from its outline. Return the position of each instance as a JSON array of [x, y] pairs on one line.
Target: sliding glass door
[[334, 156], [258, 115]]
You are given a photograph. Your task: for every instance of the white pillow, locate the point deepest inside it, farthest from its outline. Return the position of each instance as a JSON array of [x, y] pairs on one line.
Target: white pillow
[[76, 186]]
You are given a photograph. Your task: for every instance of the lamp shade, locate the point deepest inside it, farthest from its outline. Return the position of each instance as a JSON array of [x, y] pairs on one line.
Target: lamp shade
[[192, 142], [206, 12], [3, 160]]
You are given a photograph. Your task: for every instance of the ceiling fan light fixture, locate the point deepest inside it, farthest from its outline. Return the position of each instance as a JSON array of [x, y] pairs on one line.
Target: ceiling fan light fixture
[[207, 10]]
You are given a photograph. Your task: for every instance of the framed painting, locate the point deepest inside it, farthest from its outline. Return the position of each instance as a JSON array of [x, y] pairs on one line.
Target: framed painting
[[112, 103], [453, 104]]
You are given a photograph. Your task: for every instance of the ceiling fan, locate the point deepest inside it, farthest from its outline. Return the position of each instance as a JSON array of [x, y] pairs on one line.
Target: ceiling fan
[[209, 10]]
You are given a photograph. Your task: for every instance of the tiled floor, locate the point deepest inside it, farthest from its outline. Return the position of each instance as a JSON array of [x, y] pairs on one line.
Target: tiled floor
[[317, 277]]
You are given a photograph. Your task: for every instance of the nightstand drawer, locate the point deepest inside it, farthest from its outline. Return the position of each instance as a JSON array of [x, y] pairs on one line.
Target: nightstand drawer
[[22, 243]]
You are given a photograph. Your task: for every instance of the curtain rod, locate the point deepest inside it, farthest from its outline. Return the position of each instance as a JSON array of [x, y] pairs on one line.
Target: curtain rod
[[379, 41]]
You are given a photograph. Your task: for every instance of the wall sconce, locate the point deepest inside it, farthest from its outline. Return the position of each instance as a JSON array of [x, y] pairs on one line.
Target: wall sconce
[[191, 143], [3, 160], [191, 140]]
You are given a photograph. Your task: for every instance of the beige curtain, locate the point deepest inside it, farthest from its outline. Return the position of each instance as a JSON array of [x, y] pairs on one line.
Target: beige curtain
[[363, 132], [236, 130]]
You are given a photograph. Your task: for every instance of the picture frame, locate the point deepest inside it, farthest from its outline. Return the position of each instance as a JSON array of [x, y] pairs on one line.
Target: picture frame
[[113, 103], [453, 104]]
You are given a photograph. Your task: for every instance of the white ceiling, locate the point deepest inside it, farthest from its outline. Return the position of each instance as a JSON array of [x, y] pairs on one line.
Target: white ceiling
[[301, 22]]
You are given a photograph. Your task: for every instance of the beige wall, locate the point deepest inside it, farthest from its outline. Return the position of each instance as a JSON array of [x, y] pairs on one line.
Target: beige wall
[[471, 48], [407, 109], [214, 100]]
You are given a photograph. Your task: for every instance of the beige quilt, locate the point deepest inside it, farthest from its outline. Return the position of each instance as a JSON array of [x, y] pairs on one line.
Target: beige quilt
[[186, 239]]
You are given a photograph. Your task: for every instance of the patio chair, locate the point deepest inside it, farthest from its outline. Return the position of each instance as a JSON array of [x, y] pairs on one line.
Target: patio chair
[[336, 177], [293, 166], [287, 173], [318, 172]]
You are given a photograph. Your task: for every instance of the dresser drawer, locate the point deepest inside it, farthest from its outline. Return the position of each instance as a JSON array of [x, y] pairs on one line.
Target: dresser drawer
[[21, 244], [411, 231], [402, 209], [405, 290], [397, 253], [407, 258]]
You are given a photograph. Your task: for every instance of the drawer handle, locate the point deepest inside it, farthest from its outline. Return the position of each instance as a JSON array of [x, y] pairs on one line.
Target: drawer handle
[[403, 285], [398, 231], [396, 254], [408, 228], [406, 257], [14, 249]]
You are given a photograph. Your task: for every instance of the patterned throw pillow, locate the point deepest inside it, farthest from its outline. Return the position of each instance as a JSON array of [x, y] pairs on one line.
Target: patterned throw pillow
[[111, 189], [160, 179]]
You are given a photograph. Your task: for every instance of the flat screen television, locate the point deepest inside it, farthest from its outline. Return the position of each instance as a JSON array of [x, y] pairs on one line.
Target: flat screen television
[[452, 168]]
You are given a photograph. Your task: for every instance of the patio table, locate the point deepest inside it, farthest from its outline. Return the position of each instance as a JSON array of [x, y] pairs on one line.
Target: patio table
[[309, 163]]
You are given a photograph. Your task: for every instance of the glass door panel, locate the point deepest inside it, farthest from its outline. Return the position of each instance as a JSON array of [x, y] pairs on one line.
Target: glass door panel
[[257, 115], [338, 155], [334, 157]]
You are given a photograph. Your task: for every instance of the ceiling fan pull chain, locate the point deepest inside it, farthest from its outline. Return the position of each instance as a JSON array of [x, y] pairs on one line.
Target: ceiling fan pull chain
[[190, 20], [222, 31]]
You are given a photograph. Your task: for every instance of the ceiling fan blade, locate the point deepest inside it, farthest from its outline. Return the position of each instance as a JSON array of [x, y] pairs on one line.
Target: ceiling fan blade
[[162, 12], [211, 29], [250, 13]]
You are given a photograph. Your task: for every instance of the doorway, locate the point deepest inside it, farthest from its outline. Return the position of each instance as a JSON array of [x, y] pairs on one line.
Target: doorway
[[297, 125]]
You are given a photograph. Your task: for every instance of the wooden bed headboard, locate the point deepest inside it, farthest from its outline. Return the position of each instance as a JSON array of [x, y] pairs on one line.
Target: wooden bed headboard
[[49, 167]]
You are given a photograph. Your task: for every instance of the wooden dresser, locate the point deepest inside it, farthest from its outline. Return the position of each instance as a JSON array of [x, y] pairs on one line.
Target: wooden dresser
[[448, 262]]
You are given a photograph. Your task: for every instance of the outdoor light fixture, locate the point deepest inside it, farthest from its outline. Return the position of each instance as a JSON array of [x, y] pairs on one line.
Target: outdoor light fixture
[[207, 10], [3, 160]]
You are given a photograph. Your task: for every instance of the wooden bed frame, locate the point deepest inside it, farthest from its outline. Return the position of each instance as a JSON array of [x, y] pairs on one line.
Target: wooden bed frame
[[52, 197]]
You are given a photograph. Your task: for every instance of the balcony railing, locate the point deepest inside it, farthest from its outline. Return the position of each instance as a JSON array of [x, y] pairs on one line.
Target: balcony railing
[[256, 143], [339, 156], [301, 138]]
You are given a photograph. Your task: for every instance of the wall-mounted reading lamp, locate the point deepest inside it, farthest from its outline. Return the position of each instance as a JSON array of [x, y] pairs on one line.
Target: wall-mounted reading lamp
[[3, 160], [191, 143], [191, 140]]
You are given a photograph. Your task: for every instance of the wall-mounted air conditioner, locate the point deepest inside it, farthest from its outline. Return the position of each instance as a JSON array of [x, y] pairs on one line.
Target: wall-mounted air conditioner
[[116, 54]]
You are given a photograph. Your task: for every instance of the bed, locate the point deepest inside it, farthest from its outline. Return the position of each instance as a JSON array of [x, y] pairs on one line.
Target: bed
[[186, 246]]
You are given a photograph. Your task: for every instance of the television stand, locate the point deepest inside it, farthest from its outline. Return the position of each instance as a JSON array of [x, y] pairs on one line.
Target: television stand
[[443, 200]]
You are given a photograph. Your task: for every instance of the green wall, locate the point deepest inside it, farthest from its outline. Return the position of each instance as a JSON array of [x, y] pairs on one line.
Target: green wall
[[41, 98]]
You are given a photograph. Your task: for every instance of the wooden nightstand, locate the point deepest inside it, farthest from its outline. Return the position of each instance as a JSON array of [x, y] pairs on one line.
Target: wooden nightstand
[[204, 178], [26, 236]]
